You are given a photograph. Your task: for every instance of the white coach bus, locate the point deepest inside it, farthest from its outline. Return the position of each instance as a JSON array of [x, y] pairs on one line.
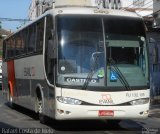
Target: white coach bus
[[79, 63]]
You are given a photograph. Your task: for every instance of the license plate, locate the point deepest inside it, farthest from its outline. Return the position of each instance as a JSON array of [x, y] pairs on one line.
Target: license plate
[[106, 113]]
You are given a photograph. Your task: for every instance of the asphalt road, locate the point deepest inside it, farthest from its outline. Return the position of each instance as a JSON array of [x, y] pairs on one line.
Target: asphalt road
[[23, 121]]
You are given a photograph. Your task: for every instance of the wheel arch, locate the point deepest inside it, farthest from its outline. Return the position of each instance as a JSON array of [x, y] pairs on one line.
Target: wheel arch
[[10, 88], [39, 95]]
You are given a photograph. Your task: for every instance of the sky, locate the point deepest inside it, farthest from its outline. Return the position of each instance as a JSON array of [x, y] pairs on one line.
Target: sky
[[16, 9]]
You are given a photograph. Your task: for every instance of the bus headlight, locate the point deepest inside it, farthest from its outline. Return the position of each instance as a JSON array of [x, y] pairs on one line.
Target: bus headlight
[[139, 101], [68, 100]]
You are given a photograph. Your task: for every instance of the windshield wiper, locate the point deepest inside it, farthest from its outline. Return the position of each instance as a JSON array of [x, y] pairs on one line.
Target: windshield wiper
[[121, 77], [91, 73], [88, 79]]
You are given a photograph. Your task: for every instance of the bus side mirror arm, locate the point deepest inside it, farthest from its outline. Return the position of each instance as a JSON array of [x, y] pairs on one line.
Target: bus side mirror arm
[[52, 53], [52, 32]]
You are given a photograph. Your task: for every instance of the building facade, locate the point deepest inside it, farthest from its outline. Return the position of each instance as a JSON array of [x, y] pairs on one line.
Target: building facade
[[38, 7], [142, 7], [156, 13]]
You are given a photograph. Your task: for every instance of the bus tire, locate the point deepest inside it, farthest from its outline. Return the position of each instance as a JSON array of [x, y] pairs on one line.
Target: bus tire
[[42, 117]]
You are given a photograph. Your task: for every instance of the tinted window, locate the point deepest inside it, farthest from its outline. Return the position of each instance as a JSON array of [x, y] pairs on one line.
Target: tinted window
[[31, 38], [40, 34]]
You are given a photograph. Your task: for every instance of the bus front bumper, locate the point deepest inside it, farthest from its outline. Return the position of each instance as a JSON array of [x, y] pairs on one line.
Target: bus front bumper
[[71, 112]]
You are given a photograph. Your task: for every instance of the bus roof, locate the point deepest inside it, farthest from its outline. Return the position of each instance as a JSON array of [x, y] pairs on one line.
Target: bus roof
[[92, 11], [82, 11]]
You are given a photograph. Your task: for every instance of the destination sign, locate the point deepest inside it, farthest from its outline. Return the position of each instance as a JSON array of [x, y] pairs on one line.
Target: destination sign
[[79, 80]]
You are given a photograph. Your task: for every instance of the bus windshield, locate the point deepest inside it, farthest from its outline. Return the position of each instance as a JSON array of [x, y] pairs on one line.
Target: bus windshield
[[86, 45]]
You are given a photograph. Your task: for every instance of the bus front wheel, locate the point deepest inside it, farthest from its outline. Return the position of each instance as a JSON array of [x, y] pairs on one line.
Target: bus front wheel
[[42, 117]]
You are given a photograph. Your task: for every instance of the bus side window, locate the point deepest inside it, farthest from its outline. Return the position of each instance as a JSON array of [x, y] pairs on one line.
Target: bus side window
[[25, 40], [22, 43], [18, 43], [40, 34], [31, 38], [11, 48], [7, 48], [49, 45]]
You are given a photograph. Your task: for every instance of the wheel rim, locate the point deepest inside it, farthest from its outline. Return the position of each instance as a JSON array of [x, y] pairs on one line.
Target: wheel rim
[[40, 106]]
